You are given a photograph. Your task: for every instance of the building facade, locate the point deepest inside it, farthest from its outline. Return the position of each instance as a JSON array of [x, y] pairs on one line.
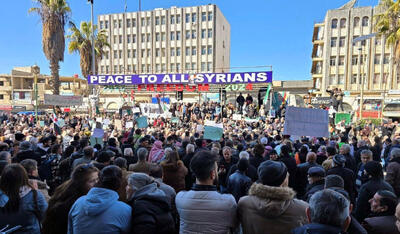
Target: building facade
[[17, 88], [175, 40], [337, 62]]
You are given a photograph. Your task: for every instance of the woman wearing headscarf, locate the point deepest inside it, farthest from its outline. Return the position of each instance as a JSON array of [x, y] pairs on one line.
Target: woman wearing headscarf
[[156, 153]]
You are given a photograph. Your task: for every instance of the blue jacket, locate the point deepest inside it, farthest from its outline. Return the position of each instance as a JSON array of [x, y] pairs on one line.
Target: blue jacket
[[99, 212], [27, 215]]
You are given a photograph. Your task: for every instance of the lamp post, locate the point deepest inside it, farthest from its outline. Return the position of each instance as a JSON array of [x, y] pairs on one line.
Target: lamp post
[[36, 72]]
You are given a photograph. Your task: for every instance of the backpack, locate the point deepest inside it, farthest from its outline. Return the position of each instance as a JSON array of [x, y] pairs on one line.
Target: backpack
[[45, 168]]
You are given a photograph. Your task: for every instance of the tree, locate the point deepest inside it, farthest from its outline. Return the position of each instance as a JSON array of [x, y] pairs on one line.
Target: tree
[[54, 15], [80, 41]]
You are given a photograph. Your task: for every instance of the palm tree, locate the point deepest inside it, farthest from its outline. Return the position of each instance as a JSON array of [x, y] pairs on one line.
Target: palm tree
[[80, 41], [54, 15]]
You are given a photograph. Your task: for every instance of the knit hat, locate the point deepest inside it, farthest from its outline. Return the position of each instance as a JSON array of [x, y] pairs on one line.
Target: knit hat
[[139, 180], [334, 181], [373, 168], [272, 173], [339, 159]]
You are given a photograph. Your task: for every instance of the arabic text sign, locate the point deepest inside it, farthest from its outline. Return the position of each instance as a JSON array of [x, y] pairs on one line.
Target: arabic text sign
[[306, 122], [201, 78], [58, 100], [213, 133]]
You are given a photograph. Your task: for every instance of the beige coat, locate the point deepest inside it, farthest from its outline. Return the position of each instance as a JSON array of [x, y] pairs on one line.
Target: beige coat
[[271, 210]]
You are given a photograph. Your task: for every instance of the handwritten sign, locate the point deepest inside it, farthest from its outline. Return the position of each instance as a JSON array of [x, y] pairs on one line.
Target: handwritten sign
[[129, 124], [237, 117], [306, 122], [142, 122], [213, 133], [118, 124]]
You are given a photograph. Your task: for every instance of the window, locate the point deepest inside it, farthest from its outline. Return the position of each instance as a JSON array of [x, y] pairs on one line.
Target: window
[[342, 23], [341, 79], [203, 67], [333, 41], [178, 51], [172, 36], [209, 50], [148, 21], [342, 41], [157, 20], [129, 68], [332, 61], [133, 22], [134, 54], [157, 36], [157, 68], [203, 33], [1, 83], [157, 52], [194, 17], [365, 21], [356, 22], [362, 59], [162, 20], [106, 24], [210, 16], [210, 33], [148, 37], [128, 23], [143, 37], [376, 78], [148, 53], [187, 51], [209, 66], [354, 79], [178, 36], [194, 50], [203, 50], [332, 79], [106, 54], [178, 67], [143, 22], [172, 67], [120, 39], [119, 23], [101, 24], [143, 68], [187, 18], [378, 41], [107, 70], [102, 69], [133, 38], [115, 24], [143, 53], [203, 16], [386, 59], [120, 54], [128, 39], [178, 19], [1, 96], [115, 53], [187, 66], [354, 60], [385, 78], [194, 67], [162, 36], [187, 34], [163, 67], [148, 68], [194, 34], [115, 39], [334, 23], [377, 59], [163, 52], [115, 68], [341, 60], [172, 19], [128, 53]]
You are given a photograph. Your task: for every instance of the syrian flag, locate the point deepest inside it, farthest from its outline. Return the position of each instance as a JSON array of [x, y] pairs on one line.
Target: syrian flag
[[57, 128]]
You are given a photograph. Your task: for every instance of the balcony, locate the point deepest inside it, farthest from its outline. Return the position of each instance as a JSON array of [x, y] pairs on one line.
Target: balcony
[[6, 87]]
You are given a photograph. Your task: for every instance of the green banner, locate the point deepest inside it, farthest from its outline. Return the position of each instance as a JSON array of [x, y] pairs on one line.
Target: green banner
[[343, 116]]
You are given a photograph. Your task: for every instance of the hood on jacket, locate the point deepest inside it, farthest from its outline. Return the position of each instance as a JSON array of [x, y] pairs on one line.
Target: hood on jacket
[[272, 201], [3, 199], [98, 200], [172, 166], [152, 193]]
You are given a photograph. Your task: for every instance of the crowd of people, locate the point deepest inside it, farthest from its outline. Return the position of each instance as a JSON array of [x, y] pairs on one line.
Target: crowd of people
[[167, 178]]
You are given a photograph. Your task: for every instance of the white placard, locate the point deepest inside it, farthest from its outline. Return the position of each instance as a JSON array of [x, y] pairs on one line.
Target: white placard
[[98, 133], [129, 124], [237, 117], [199, 128], [306, 122]]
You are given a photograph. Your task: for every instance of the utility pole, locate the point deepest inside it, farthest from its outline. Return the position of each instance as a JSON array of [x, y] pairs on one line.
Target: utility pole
[[36, 71]]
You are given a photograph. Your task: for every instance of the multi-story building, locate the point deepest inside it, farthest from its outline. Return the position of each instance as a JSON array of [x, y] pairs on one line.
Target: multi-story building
[[17, 88], [338, 62], [175, 40]]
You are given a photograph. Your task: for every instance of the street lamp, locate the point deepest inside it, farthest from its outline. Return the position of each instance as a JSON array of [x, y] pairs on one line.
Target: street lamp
[[36, 72]]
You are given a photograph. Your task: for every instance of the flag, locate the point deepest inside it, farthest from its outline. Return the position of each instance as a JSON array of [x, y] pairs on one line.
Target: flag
[[126, 6], [284, 96], [267, 94]]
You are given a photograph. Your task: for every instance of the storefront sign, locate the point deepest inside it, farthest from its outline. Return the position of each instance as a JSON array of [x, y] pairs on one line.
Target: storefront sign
[[174, 87], [5, 107], [201, 78], [58, 100]]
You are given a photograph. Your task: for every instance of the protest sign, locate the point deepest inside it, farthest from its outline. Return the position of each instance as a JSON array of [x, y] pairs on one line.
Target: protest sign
[[142, 122], [135, 110], [95, 140], [41, 123], [237, 117], [99, 119], [61, 123], [150, 110], [106, 122], [174, 120], [199, 128], [306, 122], [343, 116], [251, 120], [213, 133], [98, 133], [129, 124], [60, 100], [118, 124]]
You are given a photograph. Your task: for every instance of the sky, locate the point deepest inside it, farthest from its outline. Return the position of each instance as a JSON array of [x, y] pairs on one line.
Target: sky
[[263, 32]]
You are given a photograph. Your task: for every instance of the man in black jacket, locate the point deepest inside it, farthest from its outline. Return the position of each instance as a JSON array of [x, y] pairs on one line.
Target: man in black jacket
[[316, 180], [240, 100], [302, 172], [238, 182], [346, 174]]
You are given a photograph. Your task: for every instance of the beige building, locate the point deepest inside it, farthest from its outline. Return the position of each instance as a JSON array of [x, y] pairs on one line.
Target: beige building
[[338, 62], [175, 40], [17, 88]]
